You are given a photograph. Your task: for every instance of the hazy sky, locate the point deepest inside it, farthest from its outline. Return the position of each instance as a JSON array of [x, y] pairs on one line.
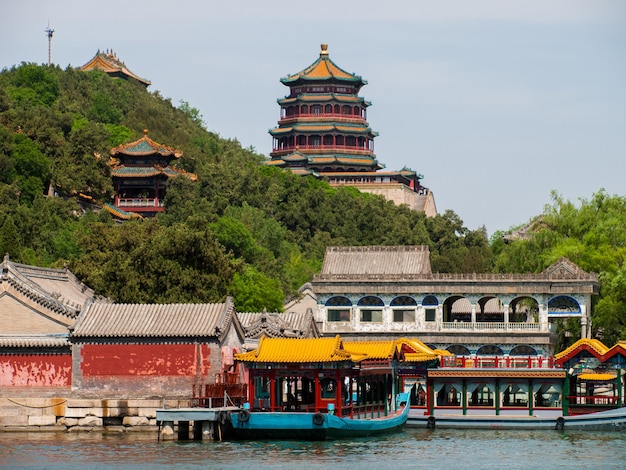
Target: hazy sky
[[496, 103]]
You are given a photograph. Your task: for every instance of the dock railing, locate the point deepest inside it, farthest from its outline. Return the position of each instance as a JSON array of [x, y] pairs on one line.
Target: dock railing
[[224, 391]]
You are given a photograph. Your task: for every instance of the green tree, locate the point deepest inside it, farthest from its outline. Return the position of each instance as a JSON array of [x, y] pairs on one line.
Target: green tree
[[253, 291], [9, 239]]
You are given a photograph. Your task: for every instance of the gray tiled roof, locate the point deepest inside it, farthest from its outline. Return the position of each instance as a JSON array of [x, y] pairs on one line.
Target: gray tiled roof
[[108, 320], [278, 325], [56, 289], [376, 261], [34, 341]]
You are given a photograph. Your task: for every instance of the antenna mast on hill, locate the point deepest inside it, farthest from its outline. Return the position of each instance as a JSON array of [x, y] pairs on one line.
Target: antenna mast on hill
[[49, 32]]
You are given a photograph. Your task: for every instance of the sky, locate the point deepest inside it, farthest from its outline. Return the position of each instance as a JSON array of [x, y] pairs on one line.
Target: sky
[[496, 103]]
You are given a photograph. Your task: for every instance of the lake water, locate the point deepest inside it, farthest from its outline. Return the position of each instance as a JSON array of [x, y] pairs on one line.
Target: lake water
[[413, 448]]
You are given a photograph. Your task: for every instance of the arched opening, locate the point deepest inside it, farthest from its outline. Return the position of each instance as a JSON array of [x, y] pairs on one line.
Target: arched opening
[[457, 309], [563, 306], [523, 310], [338, 309], [489, 350], [459, 350], [489, 309], [371, 308], [404, 308], [523, 350]]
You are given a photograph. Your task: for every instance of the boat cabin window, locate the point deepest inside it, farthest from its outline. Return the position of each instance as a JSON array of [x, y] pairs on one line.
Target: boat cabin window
[[515, 395], [329, 388], [547, 395], [416, 388], [449, 394], [261, 392], [480, 395]]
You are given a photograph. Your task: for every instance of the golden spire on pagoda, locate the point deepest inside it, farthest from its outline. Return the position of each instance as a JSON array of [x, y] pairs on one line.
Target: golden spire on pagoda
[[324, 50]]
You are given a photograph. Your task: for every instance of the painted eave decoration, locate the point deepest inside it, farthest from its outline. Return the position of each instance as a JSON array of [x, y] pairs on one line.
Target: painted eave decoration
[[145, 147], [594, 347]]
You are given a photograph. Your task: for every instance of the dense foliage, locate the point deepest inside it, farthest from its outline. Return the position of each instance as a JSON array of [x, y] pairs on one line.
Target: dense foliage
[[244, 229], [592, 235]]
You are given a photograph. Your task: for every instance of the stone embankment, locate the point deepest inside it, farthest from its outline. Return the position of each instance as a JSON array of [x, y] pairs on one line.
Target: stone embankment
[[67, 414]]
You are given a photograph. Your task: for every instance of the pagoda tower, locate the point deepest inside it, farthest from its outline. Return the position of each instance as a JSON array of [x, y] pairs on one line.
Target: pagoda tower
[[323, 122], [323, 131], [140, 171]]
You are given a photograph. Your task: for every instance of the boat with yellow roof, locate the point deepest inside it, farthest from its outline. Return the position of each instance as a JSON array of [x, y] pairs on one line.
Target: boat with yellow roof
[[321, 388]]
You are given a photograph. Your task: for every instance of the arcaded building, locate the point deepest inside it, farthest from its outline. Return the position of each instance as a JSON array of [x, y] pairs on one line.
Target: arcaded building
[[390, 291]]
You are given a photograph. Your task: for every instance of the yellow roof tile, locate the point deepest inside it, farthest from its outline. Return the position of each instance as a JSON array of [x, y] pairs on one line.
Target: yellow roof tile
[[372, 349], [597, 377], [299, 350]]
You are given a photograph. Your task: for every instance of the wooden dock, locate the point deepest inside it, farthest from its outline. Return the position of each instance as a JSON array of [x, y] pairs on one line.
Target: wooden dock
[[193, 423]]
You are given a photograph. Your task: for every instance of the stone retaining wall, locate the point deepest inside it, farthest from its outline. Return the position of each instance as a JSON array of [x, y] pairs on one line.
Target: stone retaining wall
[[61, 413]]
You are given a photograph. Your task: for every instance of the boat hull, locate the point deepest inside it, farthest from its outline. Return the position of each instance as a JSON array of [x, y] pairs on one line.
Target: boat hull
[[610, 420], [311, 426]]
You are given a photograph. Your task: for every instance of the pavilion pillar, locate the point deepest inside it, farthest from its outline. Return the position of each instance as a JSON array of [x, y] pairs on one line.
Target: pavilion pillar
[[506, 315], [584, 333], [473, 320], [543, 317], [439, 317], [420, 317]]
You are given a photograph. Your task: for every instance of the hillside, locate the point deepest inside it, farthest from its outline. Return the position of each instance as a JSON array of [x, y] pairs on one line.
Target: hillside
[[243, 229]]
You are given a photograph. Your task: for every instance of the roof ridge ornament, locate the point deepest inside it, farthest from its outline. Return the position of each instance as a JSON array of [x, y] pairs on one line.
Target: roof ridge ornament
[[324, 51]]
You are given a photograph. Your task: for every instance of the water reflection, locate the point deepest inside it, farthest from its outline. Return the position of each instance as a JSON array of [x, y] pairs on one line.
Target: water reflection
[[413, 448]]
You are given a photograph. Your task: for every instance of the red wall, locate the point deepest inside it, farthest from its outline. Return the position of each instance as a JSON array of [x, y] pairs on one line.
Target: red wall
[[144, 360], [36, 370]]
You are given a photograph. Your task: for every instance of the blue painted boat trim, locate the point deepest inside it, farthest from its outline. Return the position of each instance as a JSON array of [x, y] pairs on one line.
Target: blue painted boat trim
[[604, 420], [314, 426]]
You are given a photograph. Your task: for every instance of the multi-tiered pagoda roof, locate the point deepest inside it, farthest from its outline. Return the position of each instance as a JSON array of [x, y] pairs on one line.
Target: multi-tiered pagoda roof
[[109, 63], [140, 171], [323, 125]]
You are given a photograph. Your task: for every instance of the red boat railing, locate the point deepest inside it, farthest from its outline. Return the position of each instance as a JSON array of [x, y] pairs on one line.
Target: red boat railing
[[499, 362]]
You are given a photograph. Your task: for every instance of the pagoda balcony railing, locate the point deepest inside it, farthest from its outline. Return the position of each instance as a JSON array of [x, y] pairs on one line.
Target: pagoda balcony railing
[[322, 148], [138, 202], [338, 117]]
